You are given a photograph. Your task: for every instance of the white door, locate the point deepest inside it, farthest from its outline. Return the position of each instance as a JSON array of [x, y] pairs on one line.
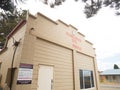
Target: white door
[[45, 78]]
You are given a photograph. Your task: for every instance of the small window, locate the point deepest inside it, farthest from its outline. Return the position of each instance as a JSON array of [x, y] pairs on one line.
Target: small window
[[86, 79]]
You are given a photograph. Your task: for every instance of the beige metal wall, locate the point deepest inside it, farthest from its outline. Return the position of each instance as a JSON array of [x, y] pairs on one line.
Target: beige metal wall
[[60, 33], [85, 62], [60, 58]]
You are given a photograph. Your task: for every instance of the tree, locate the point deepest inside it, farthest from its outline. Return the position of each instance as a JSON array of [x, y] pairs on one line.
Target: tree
[[9, 17], [6, 5], [113, 4], [91, 6], [116, 66]]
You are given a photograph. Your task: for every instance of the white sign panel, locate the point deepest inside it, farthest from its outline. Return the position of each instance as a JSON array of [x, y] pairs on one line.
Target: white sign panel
[[25, 74]]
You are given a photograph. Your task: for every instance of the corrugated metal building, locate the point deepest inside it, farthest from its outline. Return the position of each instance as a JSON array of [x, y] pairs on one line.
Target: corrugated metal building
[[48, 55]]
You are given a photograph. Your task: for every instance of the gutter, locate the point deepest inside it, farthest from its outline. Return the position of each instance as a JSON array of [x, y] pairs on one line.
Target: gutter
[[17, 27]]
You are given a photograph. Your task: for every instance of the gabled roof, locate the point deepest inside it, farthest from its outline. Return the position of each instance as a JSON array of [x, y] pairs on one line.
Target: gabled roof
[[111, 72]]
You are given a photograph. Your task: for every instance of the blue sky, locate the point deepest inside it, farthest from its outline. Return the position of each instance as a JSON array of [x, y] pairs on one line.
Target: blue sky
[[102, 29], [108, 62]]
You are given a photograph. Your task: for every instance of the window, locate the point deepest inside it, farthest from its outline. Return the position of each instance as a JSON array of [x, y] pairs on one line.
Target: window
[[86, 79]]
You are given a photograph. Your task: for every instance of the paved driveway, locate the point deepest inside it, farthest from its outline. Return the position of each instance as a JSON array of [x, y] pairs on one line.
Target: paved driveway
[[109, 87]]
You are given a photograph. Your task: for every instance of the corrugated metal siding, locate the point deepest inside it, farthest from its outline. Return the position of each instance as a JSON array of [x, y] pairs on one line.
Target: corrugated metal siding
[[86, 63], [61, 58]]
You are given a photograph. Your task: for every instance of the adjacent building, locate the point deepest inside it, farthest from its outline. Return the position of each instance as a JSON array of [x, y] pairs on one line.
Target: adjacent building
[[42, 54], [111, 76]]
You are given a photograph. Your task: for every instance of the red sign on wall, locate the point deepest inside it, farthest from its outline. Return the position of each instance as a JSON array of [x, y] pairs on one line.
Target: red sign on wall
[[75, 40]]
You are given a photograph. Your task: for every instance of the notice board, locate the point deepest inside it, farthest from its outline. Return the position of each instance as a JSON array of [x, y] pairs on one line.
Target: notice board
[[25, 73]]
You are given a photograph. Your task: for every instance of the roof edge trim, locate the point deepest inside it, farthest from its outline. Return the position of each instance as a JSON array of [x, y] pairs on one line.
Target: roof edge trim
[[73, 27], [62, 22], [17, 27]]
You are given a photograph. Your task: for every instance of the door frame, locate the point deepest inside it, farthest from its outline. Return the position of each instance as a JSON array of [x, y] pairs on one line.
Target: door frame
[[46, 66]]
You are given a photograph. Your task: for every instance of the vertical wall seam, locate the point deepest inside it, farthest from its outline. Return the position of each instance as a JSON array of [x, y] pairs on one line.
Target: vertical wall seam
[[73, 66]]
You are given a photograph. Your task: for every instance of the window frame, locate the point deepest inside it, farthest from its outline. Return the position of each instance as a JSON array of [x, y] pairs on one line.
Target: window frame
[[86, 79]]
